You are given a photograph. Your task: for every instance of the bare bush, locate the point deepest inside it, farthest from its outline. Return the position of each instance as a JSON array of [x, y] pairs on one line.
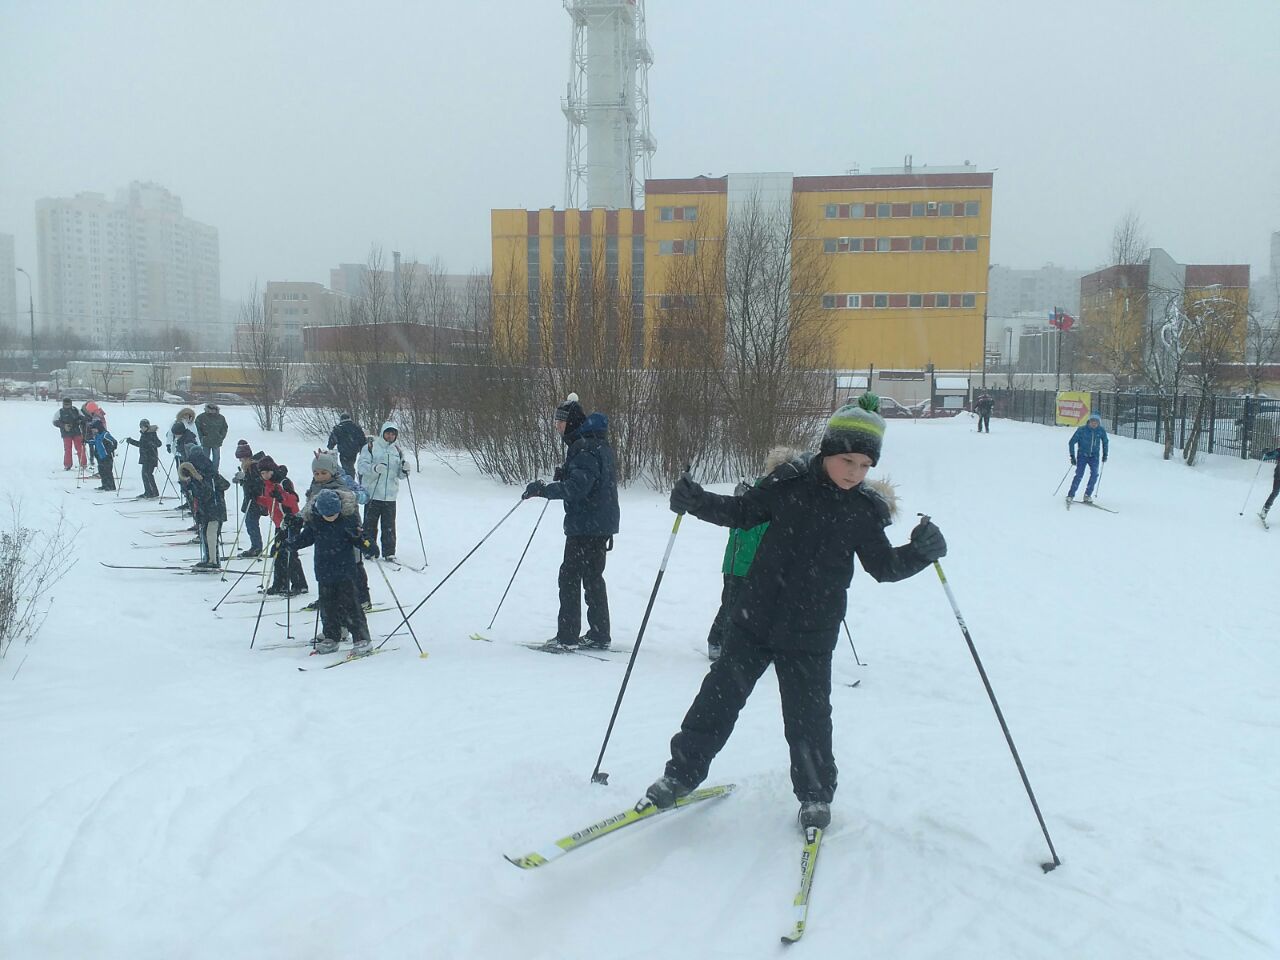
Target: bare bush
[[31, 564]]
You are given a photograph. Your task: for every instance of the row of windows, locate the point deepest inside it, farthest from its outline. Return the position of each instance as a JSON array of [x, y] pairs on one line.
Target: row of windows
[[677, 213], [898, 301], [291, 296], [668, 248], [920, 208], [897, 244], [672, 301]]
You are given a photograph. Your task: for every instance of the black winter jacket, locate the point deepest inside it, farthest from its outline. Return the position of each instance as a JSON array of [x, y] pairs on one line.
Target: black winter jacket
[[795, 592], [590, 485], [206, 486], [148, 446], [69, 421], [212, 428], [347, 438], [335, 542]]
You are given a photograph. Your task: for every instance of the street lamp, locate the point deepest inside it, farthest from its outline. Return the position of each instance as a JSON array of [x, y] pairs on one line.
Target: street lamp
[[31, 306]]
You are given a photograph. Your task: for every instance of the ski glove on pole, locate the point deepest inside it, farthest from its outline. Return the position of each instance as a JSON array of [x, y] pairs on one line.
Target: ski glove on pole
[[1073, 461], [928, 541], [685, 495], [536, 488]]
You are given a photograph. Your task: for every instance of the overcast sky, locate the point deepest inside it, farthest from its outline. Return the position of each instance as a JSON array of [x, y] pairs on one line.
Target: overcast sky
[[305, 130]]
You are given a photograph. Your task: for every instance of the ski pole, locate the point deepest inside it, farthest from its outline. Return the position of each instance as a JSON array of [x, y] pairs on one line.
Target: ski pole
[[235, 542], [1257, 473], [167, 480], [1063, 480], [123, 463], [275, 551], [1046, 867], [598, 775], [387, 581], [413, 503], [545, 504], [1098, 486], [851, 646], [243, 574], [404, 620]]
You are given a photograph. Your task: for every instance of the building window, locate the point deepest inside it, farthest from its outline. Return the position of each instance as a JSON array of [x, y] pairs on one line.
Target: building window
[[857, 211], [944, 299], [881, 300], [666, 213], [969, 300], [928, 301], [691, 213], [917, 243], [946, 209], [902, 209], [831, 211], [853, 301], [897, 300], [882, 244], [883, 210], [944, 243], [971, 243], [899, 244], [971, 208], [829, 245], [828, 301], [915, 300], [917, 209], [677, 248]]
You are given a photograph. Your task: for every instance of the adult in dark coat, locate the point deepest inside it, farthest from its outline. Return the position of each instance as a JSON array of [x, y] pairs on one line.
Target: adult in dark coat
[[70, 424], [212, 428], [347, 438], [983, 405], [588, 485], [821, 514]]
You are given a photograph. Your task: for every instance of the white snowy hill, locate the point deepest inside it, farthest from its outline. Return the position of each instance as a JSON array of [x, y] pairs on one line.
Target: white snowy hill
[[166, 792]]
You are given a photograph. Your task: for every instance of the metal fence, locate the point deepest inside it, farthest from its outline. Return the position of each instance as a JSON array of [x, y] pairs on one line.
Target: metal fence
[[1233, 426]]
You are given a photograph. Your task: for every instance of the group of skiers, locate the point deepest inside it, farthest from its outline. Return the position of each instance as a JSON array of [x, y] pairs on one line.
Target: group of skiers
[[86, 429]]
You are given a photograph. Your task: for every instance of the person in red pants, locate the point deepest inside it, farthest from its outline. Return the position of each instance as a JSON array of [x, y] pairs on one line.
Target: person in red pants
[[69, 422]]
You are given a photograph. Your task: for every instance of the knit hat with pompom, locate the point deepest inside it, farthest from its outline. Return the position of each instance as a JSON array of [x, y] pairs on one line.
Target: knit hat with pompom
[[855, 428]]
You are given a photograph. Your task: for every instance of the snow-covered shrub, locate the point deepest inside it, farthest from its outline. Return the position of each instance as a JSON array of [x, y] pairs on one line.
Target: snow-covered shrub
[[31, 563]]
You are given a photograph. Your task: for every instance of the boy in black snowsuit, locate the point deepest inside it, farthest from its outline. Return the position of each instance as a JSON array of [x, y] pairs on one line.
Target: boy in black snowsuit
[[347, 438], [821, 515], [336, 536], [148, 444]]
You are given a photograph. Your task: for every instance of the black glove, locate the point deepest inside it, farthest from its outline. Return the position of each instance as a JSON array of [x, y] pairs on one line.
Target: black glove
[[1104, 458], [369, 550], [1073, 461], [292, 522], [536, 488], [685, 495], [168, 448], [928, 540], [277, 495], [558, 475]]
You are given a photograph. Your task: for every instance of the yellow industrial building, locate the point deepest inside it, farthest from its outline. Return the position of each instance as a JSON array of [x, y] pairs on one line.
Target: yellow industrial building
[[903, 254]]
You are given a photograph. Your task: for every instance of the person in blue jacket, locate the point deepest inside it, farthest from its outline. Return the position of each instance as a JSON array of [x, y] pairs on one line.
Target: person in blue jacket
[[588, 485], [335, 532], [1086, 445], [104, 449]]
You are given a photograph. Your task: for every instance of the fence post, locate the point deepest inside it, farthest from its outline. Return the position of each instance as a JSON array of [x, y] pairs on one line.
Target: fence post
[[1213, 410], [1182, 420], [1246, 428]]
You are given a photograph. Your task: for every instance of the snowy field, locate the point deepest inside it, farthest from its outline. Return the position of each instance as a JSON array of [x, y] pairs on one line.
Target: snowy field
[[166, 792]]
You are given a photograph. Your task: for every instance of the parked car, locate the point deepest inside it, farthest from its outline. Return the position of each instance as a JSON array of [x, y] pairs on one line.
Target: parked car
[[310, 394], [139, 394], [227, 400], [891, 409], [80, 393]]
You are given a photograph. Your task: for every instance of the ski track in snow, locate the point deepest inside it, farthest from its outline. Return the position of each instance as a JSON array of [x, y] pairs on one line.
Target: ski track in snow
[[169, 793]]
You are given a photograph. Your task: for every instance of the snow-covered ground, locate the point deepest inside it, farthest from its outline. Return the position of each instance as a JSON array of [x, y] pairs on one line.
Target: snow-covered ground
[[166, 792]]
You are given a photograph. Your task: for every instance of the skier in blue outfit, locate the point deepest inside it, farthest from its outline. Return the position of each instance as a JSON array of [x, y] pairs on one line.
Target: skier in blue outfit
[[1086, 444]]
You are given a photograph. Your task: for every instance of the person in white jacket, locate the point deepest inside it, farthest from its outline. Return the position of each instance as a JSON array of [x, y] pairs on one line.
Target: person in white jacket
[[381, 465]]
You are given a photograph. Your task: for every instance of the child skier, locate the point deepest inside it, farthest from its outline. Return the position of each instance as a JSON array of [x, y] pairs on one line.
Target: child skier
[[738, 554], [279, 501], [335, 534], [326, 475], [148, 444], [104, 449], [1084, 448], [822, 514], [250, 489], [208, 506]]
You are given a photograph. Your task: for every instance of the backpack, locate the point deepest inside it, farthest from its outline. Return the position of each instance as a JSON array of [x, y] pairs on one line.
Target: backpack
[[220, 483], [109, 443]]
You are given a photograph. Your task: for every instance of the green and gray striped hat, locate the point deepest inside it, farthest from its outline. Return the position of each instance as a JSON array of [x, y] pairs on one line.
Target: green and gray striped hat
[[855, 428]]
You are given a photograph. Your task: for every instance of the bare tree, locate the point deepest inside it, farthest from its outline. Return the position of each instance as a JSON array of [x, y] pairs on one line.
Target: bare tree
[[1215, 324], [261, 354], [31, 564], [1129, 240], [1262, 345], [1164, 357]]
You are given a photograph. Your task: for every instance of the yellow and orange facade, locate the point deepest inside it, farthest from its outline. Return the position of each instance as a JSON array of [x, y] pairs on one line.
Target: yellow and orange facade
[[904, 254]]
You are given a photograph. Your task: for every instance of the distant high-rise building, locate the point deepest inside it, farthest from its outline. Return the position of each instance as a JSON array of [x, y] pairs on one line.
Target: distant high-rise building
[[288, 306], [8, 284], [1275, 254], [127, 270]]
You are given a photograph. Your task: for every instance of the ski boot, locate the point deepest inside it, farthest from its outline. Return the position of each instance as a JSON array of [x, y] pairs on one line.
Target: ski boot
[[560, 645], [1088, 499], [325, 645], [814, 813], [589, 642], [250, 553], [665, 791]]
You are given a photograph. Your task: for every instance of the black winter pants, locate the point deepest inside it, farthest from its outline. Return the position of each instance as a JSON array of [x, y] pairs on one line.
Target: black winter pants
[[340, 607], [149, 487], [721, 626], [582, 572], [105, 471], [1275, 488], [349, 465], [287, 572], [804, 680], [984, 420], [384, 512]]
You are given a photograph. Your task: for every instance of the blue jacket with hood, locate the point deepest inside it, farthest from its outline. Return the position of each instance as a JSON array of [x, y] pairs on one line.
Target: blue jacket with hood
[[1088, 440], [590, 485]]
